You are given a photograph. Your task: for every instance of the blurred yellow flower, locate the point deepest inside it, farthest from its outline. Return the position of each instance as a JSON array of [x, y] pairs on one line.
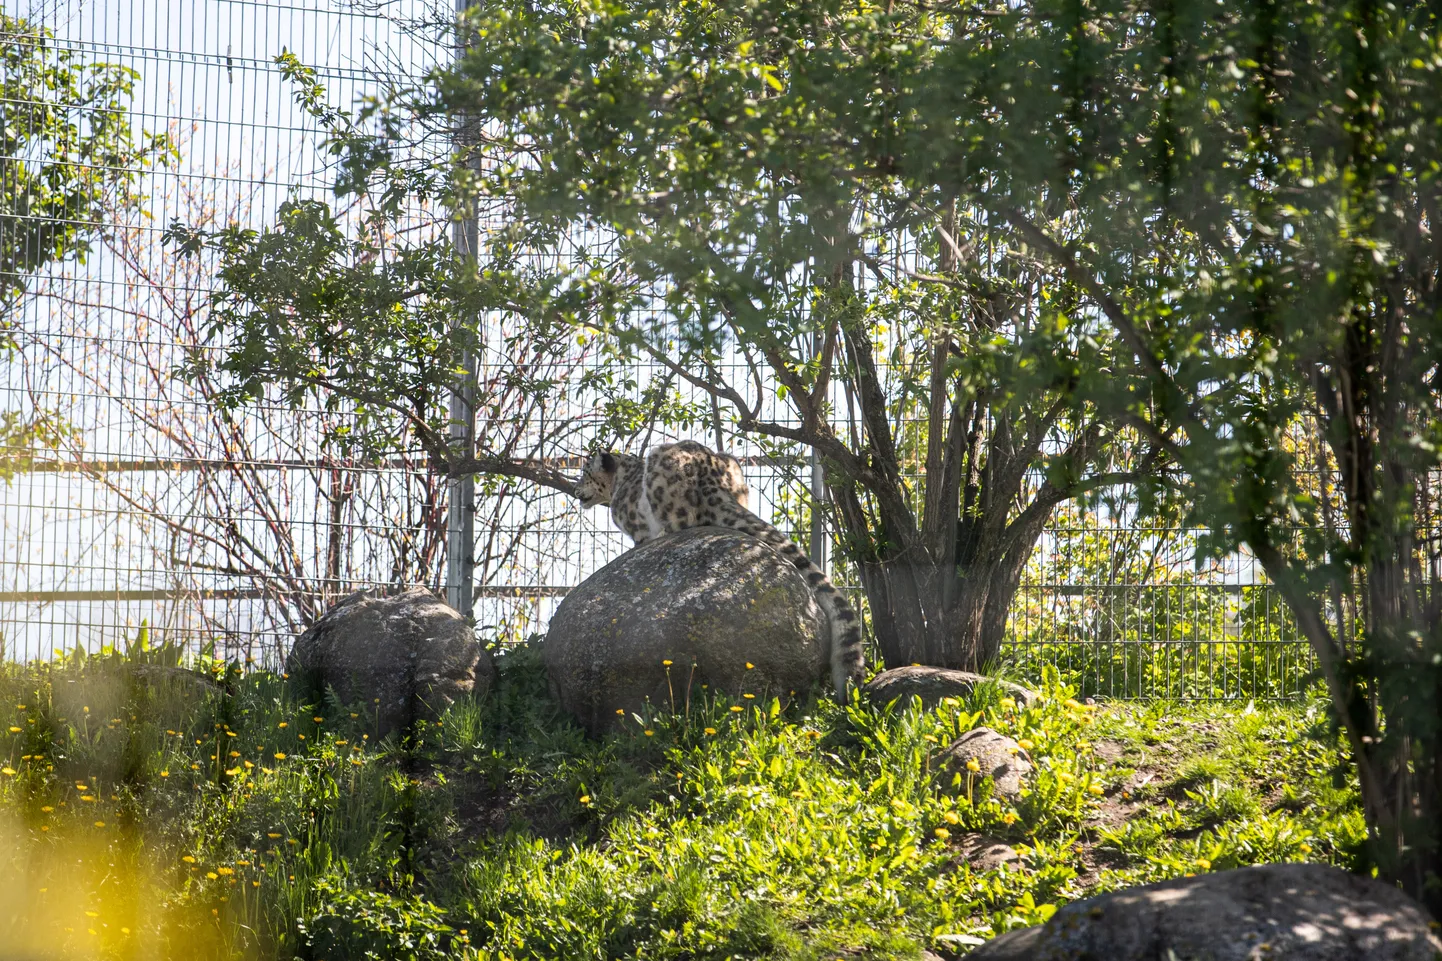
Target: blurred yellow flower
[[710, 730], [1026, 744], [942, 833], [280, 755], [973, 765]]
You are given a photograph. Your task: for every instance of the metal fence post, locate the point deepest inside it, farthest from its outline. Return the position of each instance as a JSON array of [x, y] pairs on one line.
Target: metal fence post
[[461, 491]]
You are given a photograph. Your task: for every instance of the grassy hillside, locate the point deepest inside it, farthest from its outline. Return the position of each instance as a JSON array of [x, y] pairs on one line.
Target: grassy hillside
[[161, 817]]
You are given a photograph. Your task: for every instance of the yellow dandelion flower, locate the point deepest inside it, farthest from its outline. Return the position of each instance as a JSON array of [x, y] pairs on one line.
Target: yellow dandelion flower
[[750, 666], [1203, 863], [100, 824], [88, 797], [291, 841], [47, 809], [973, 765], [621, 711], [255, 884], [942, 833], [225, 871], [1097, 789], [585, 799], [212, 875], [15, 730], [1065, 777], [650, 733], [666, 663], [165, 774], [1305, 848], [280, 755], [341, 743], [285, 724], [950, 818], [317, 719], [188, 859], [735, 709], [1026, 744], [272, 835], [1008, 818], [710, 730], [749, 697], [7, 771]]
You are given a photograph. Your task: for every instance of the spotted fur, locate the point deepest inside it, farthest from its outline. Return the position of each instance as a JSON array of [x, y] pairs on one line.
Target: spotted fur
[[689, 485]]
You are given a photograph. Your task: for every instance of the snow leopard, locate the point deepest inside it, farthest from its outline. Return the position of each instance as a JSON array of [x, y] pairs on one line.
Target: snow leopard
[[687, 484]]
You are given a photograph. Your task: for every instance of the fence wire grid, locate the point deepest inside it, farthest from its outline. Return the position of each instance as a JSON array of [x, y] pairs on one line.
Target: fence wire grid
[[157, 509]]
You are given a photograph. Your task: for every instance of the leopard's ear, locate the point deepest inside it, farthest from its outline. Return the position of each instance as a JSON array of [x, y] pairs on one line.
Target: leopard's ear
[[608, 462]]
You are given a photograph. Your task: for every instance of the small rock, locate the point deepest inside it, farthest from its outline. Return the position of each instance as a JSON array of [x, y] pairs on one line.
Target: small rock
[[711, 597], [932, 684], [986, 853], [998, 757], [1270, 912], [406, 656]]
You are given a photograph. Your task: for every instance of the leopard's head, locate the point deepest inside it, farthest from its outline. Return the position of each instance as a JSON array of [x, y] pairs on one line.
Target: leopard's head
[[598, 479]]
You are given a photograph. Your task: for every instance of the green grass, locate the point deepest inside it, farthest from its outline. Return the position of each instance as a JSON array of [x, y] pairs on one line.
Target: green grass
[[155, 818]]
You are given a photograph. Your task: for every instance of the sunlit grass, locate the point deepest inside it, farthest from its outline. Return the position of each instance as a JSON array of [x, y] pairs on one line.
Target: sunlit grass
[[234, 814]]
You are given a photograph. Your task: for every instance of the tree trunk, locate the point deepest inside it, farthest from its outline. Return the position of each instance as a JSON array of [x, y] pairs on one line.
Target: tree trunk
[[924, 614]]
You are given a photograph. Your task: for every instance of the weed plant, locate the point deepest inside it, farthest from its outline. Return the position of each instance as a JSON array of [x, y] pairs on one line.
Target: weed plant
[[153, 811]]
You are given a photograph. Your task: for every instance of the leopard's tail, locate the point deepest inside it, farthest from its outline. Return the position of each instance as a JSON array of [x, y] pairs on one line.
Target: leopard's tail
[[847, 658]]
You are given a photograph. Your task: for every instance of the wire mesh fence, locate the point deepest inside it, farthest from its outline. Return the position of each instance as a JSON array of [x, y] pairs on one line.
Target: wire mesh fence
[[154, 505]]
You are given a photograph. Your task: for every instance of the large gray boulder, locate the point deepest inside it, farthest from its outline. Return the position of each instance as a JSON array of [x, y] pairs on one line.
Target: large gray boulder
[[710, 597], [1272, 912], [932, 684], [405, 656]]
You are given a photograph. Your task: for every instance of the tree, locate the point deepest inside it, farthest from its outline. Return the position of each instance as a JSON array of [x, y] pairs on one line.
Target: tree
[[71, 153], [737, 174], [1258, 199]]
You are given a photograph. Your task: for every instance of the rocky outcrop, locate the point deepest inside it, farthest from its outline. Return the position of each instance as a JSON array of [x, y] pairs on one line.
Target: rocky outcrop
[[1276, 912], [404, 656], [705, 606], [932, 684]]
